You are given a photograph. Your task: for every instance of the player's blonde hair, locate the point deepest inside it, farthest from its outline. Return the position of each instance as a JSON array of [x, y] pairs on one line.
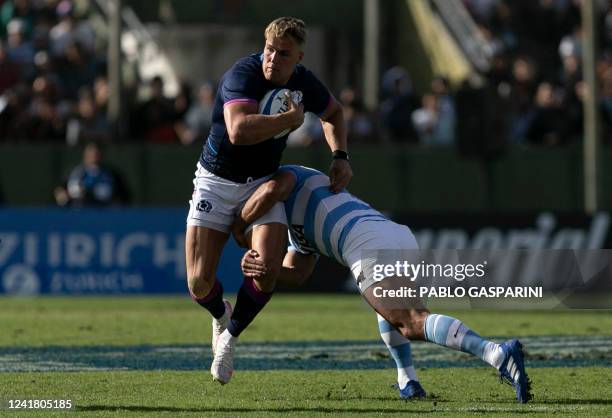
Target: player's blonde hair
[[287, 26]]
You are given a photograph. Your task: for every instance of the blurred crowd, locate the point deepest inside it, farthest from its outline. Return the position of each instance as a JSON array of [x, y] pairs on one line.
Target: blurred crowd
[[532, 95], [53, 84], [537, 66]]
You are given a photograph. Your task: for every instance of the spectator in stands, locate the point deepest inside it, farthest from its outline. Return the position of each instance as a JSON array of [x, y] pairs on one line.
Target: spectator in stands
[[399, 104], [480, 130], [425, 118], [445, 129], [14, 114], [19, 49], [101, 94], [570, 73], [45, 120], [153, 120], [88, 125], [46, 10], [522, 90], [92, 183], [70, 30], [182, 101], [196, 123], [571, 44], [17, 9], [9, 71], [44, 67], [434, 121], [76, 69], [359, 123], [40, 36], [545, 119]]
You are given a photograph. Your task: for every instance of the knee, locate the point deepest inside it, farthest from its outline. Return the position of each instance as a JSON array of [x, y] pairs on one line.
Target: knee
[[407, 332], [272, 267], [267, 282], [200, 284], [412, 327]]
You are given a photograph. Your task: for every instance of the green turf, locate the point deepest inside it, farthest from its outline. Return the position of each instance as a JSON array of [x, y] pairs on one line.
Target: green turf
[[576, 391], [452, 392], [177, 320]]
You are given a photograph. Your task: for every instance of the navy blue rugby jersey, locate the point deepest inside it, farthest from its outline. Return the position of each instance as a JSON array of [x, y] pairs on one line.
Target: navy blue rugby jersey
[[245, 82]]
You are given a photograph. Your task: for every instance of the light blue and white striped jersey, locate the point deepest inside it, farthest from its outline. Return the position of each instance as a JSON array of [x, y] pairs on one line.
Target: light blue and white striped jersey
[[319, 220]]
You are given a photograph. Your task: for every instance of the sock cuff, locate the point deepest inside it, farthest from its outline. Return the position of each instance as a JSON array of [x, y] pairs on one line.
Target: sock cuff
[[234, 328], [216, 290], [428, 327], [248, 284]]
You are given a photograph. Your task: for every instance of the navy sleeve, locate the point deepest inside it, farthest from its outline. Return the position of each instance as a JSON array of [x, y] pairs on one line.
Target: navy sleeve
[[239, 84], [316, 95]]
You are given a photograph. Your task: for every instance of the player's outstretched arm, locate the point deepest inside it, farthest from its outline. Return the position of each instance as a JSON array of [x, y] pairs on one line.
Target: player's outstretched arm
[[334, 128], [245, 126], [296, 269], [277, 189]]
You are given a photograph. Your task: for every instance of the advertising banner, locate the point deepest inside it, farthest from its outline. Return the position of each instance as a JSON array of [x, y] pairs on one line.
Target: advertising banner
[[131, 251], [99, 251]]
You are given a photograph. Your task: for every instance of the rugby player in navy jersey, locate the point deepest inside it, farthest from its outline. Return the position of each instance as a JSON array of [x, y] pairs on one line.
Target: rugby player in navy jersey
[[239, 154], [341, 226]]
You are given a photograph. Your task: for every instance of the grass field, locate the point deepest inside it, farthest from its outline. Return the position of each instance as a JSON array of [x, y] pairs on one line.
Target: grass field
[[304, 356]]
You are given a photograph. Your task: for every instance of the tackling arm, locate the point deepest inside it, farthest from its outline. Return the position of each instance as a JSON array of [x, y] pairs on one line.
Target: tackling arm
[[277, 189], [296, 269]]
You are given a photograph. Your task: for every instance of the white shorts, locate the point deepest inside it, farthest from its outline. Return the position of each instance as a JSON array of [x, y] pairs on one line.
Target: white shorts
[[374, 235], [216, 201]]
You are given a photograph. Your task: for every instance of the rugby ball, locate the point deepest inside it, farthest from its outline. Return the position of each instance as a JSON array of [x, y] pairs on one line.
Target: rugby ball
[[275, 101]]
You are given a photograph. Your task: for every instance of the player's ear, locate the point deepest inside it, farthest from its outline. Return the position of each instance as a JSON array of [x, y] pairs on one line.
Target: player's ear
[[300, 56]]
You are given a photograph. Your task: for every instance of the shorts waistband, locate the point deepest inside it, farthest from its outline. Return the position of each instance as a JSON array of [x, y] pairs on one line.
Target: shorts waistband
[[242, 179]]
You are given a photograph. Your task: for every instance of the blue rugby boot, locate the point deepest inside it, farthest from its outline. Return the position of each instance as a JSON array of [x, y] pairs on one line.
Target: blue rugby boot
[[412, 390], [512, 370]]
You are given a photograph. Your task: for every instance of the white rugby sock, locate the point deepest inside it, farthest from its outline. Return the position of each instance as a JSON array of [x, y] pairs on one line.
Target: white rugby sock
[[399, 347], [452, 333]]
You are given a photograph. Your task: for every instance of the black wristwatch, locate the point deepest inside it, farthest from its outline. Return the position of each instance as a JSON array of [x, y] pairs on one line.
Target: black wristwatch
[[340, 155]]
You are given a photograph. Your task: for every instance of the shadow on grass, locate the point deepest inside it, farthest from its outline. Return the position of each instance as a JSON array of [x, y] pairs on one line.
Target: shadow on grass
[[575, 401], [403, 407], [314, 410]]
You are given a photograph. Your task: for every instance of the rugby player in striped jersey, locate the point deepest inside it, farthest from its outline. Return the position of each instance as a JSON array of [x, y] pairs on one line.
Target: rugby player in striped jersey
[[341, 226]]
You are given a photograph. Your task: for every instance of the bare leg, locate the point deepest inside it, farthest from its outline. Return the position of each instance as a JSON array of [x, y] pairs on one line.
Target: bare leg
[[203, 247], [406, 315], [269, 241], [415, 322]]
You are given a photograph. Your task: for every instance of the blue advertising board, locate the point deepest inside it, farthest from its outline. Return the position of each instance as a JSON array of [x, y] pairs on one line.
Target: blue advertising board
[[99, 251]]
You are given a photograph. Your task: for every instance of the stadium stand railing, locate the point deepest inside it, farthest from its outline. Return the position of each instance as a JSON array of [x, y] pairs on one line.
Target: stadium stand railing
[[445, 55], [140, 48], [465, 32]]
